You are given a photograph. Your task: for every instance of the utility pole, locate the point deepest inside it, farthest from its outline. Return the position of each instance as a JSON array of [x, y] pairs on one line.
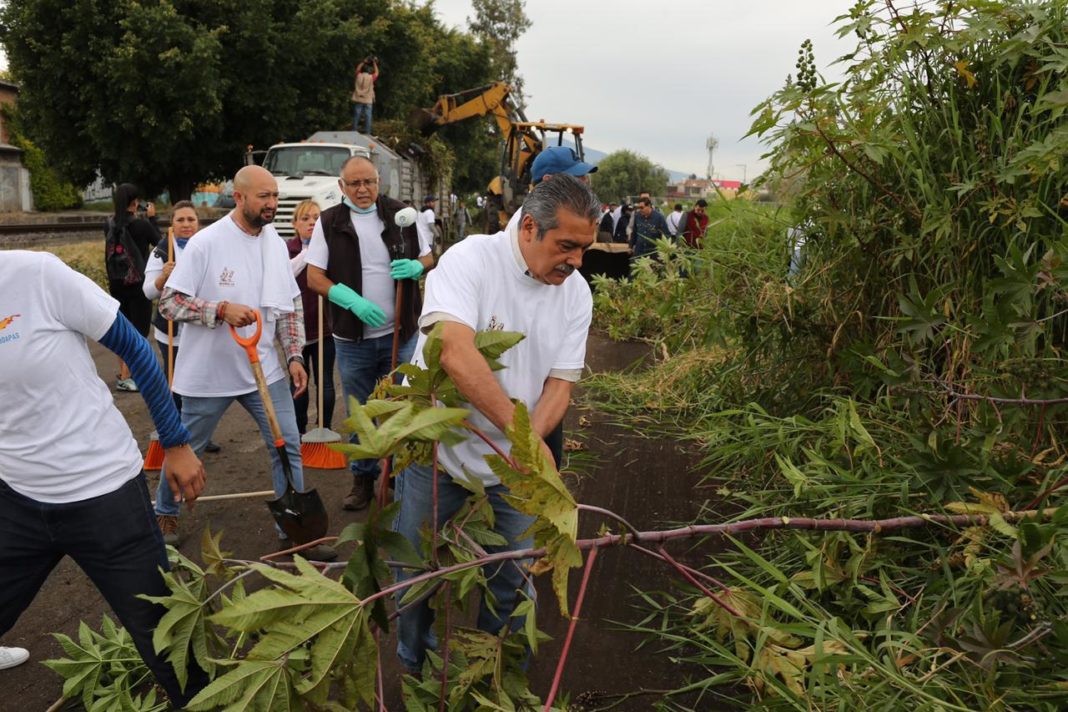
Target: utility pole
[[711, 144], [744, 171]]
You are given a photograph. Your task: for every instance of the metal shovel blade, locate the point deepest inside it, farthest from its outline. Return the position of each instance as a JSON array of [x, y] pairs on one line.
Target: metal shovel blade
[[301, 515]]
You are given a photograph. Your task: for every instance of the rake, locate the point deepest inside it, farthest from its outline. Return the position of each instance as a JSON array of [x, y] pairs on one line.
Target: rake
[[154, 456], [315, 448]]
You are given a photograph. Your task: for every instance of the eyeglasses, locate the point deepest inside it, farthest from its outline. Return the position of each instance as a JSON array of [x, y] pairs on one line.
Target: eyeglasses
[[369, 183]]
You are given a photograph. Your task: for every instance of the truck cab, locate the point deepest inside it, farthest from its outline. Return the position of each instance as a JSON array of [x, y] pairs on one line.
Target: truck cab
[[309, 170]]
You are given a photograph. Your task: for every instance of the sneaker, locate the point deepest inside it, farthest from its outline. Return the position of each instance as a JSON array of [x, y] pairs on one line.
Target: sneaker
[[361, 494], [319, 552], [212, 447], [12, 657], [127, 384], [168, 524]]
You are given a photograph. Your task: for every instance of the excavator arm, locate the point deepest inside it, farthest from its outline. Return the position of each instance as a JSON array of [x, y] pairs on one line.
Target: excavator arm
[[523, 140]]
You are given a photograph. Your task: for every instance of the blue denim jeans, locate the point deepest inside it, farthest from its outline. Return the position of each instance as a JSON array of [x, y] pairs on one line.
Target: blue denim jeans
[[200, 416], [115, 541], [414, 492], [362, 364], [361, 110]]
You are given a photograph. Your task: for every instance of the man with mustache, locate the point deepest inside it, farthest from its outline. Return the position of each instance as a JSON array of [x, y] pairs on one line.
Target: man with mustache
[[517, 280], [236, 266], [357, 256]]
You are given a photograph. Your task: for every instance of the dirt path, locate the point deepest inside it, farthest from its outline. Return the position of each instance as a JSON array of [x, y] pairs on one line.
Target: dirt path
[[650, 482]]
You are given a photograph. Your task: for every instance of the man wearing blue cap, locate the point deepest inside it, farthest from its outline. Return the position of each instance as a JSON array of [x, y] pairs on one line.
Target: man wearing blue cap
[[560, 159], [551, 161]]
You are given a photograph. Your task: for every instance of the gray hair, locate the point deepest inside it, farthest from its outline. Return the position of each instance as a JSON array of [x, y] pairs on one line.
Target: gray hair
[[560, 191]]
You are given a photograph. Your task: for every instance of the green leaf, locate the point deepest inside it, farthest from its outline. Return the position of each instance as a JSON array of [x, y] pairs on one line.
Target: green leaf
[[253, 685], [537, 490]]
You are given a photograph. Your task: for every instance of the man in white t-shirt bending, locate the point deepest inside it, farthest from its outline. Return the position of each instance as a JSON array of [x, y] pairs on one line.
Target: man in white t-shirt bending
[[236, 266], [517, 280], [357, 256]]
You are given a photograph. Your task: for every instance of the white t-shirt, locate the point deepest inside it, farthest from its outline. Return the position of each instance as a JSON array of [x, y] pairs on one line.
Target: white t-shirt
[[673, 220], [61, 437], [482, 282], [225, 263], [426, 235], [153, 269], [378, 287]]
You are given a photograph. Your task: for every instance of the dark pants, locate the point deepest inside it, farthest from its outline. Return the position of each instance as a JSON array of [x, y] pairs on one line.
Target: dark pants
[[115, 540], [362, 364], [311, 361], [166, 370], [555, 441], [134, 305]]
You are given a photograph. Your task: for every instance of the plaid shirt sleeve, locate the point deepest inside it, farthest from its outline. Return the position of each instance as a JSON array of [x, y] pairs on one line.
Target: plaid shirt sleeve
[[176, 306], [289, 330]]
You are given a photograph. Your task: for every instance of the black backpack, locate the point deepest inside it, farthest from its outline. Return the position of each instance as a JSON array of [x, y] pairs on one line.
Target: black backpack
[[124, 263]]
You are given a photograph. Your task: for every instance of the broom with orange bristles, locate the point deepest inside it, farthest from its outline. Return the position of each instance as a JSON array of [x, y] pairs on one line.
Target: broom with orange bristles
[[154, 456], [315, 450]]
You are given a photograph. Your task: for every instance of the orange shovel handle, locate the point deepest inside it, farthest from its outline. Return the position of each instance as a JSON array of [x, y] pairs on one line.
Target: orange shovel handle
[[249, 343]]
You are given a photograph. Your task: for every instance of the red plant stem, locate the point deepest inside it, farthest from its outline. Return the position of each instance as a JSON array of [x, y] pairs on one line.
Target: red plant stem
[[383, 484], [704, 589], [699, 574], [1057, 485], [489, 441], [608, 513], [379, 682], [445, 650], [655, 537], [434, 507], [570, 630]]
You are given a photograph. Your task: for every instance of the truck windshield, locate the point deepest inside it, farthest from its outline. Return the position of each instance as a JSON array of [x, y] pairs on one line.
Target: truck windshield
[[306, 160]]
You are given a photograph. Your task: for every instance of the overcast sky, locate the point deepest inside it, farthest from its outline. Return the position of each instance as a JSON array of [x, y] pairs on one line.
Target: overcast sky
[[658, 78]]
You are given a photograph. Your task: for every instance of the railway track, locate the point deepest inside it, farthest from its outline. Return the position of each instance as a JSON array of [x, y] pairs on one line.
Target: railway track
[[61, 232]]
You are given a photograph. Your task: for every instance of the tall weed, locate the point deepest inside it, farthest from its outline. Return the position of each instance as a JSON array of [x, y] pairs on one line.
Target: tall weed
[[914, 364]]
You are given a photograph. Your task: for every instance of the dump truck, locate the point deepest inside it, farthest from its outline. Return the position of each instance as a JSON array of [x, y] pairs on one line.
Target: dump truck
[[308, 170]]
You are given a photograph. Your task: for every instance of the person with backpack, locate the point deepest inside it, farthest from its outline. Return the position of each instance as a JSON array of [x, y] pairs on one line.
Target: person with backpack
[[128, 239]]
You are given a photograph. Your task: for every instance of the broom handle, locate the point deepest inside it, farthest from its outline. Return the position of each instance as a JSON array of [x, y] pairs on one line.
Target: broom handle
[[396, 326], [170, 324], [319, 370]]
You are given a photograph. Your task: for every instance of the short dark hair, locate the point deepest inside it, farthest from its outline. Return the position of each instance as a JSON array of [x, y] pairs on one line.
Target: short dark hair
[[702, 202], [678, 206], [645, 201], [562, 191]]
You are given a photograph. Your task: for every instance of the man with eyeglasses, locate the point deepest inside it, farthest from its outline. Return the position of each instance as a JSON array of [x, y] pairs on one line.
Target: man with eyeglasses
[[356, 257]]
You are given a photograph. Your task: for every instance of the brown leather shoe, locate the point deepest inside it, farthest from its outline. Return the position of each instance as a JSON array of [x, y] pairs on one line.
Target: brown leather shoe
[[168, 524], [363, 491]]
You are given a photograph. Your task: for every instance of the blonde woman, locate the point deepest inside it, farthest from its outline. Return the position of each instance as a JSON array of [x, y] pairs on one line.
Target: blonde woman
[[305, 215]]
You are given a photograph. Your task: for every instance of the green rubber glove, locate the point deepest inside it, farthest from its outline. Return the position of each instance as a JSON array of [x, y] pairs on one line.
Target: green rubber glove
[[405, 269], [367, 311]]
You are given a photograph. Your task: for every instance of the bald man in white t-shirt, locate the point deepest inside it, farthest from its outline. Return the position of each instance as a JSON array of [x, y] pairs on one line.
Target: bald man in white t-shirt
[[521, 280]]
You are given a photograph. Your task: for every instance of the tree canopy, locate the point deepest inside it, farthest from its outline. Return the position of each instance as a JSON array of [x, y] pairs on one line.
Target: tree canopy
[[624, 173], [169, 93]]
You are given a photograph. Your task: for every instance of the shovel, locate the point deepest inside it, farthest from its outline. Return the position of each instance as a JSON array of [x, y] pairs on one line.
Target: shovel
[[300, 515]]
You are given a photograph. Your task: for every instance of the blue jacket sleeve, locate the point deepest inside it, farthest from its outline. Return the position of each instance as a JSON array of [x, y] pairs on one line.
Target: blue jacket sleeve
[[131, 347]]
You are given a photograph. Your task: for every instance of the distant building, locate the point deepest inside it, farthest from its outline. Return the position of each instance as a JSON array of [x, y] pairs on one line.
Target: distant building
[[15, 193], [694, 188]]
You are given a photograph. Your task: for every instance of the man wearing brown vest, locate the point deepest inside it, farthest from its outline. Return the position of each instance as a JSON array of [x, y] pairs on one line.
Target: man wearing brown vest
[[357, 256], [363, 94]]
